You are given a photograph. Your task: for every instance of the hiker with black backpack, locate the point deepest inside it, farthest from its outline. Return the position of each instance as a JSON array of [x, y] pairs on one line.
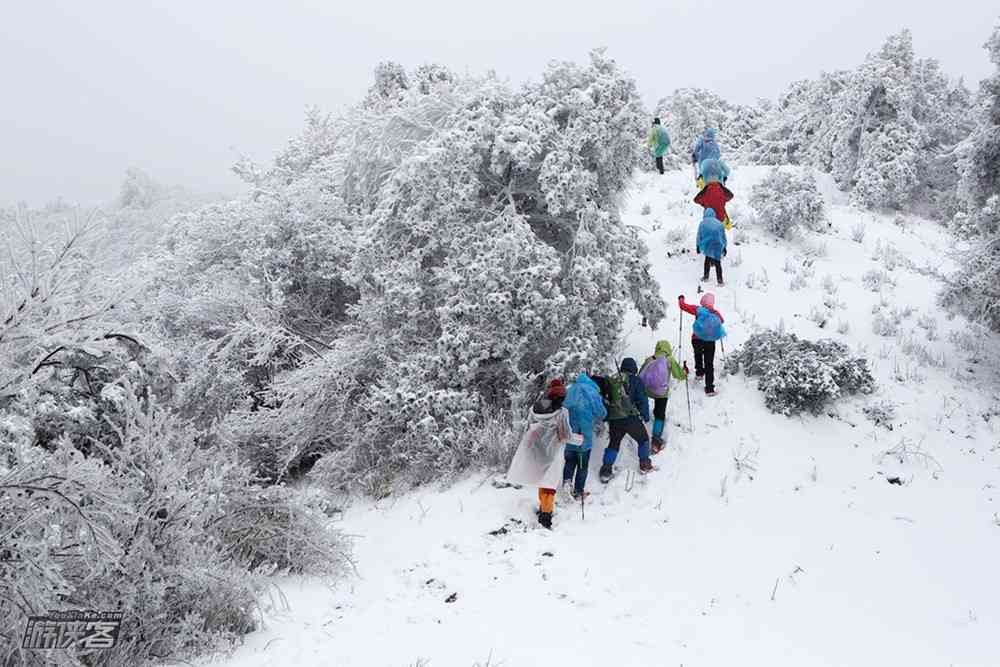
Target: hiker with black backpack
[[628, 412], [655, 374], [707, 329]]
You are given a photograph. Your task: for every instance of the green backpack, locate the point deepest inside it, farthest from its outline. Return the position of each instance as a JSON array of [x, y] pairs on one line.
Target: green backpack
[[620, 404]]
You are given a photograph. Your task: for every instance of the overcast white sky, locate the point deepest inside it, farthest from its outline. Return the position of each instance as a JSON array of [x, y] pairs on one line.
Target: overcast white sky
[[180, 88]]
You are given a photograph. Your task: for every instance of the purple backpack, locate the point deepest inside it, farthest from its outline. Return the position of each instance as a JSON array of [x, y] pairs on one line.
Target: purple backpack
[[656, 376]]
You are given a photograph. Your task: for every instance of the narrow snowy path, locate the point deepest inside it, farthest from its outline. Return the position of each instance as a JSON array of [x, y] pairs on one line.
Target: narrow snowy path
[[801, 554]]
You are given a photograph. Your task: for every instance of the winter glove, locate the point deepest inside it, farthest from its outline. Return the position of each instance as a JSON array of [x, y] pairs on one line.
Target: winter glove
[[686, 370], [724, 252]]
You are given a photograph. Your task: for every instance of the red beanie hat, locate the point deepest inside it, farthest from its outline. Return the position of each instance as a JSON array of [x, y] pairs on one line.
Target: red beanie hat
[[556, 389]]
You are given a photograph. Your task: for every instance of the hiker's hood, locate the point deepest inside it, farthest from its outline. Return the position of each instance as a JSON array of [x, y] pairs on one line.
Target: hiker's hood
[[663, 349], [629, 365]]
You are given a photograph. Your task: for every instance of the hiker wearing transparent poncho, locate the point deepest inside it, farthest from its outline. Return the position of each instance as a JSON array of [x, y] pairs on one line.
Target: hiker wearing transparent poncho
[[539, 458]]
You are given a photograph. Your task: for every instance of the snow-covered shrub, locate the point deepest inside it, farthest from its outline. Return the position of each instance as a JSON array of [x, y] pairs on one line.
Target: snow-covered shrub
[[889, 256], [885, 130], [819, 315], [479, 253], [676, 235], [735, 259], [876, 280], [843, 327], [881, 413], [885, 324], [797, 375], [929, 324], [814, 248], [147, 528], [139, 190], [646, 209], [829, 285], [919, 353], [858, 232], [689, 111], [758, 280], [975, 288], [786, 201]]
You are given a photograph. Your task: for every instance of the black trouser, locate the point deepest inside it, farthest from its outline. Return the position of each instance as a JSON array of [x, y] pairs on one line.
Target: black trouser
[[659, 164], [704, 361], [660, 408], [618, 429], [631, 426], [709, 263]]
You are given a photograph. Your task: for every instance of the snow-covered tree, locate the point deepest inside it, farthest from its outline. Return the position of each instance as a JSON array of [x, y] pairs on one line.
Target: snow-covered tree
[[974, 288], [490, 254], [688, 111], [886, 130]]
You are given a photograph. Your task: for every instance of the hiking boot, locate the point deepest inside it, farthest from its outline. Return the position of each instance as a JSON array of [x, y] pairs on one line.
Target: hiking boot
[[704, 279], [607, 472], [545, 520], [645, 466], [710, 392], [657, 445], [722, 283], [577, 494], [699, 375]]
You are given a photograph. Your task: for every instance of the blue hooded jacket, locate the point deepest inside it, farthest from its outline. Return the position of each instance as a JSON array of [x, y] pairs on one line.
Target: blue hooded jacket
[[714, 170], [586, 408], [711, 235], [707, 325], [706, 147], [636, 387]]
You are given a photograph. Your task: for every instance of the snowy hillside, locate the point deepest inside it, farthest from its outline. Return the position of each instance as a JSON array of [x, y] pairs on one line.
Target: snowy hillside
[[759, 540]]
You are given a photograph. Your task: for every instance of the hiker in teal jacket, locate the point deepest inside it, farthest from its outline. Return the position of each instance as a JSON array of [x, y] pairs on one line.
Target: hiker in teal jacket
[[659, 143], [586, 408]]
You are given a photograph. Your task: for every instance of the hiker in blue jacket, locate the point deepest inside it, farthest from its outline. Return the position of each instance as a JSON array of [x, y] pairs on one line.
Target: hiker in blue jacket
[[586, 408], [712, 244], [706, 148]]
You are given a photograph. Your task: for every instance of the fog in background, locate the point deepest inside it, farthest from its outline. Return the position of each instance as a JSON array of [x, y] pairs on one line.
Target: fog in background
[[180, 89]]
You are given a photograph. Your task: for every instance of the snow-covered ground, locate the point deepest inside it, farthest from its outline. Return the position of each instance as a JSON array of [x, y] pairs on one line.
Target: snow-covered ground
[[800, 554]]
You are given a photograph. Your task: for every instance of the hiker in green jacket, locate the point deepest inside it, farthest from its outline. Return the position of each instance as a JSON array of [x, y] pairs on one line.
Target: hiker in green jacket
[[655, 375], [659, 143]]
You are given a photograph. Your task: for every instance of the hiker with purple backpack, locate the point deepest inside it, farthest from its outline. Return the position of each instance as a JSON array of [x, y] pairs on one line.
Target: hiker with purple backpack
[[655, 374]]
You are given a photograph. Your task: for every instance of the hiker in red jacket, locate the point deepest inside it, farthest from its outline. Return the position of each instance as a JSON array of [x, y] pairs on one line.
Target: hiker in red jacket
[[706, 330], [714, 196]]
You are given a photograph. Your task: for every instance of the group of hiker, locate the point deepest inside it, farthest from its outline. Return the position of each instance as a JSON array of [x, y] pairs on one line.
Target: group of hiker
[[711, 174], [555, 450]]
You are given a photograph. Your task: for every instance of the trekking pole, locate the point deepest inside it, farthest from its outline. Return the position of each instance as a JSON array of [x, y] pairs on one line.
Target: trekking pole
[[583, 512], [687, 390], [680, 334]]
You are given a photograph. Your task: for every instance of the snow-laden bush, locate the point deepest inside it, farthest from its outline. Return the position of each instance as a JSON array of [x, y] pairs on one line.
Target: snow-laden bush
[[786, 201], [689, 111], [411, 267], [876, 280], [881, 413], [975, 288], [798, 375], [886, 130], [174, 533]]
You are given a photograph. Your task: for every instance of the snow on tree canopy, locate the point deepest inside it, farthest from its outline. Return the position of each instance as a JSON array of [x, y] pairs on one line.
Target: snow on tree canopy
[[473, 232]]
